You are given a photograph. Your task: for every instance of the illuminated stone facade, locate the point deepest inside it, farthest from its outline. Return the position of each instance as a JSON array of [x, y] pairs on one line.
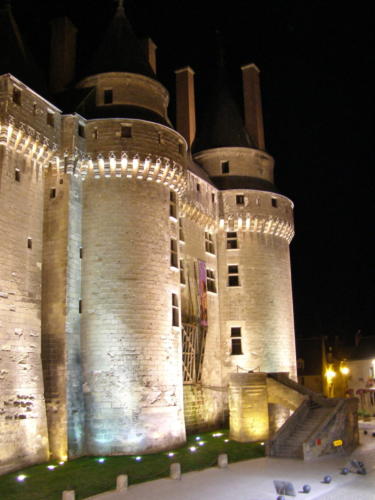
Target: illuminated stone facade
[[135, 276]]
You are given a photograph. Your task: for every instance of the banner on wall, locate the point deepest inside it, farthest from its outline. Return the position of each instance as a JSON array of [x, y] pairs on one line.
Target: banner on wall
[[202, 290]]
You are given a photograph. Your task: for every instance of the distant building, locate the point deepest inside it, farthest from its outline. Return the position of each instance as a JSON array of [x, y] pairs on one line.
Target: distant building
[[139, 265]]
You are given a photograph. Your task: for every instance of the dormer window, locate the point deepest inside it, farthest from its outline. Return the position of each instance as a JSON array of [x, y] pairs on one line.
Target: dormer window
[[81, 130], [50, 118], [108, 96], [225, 167]]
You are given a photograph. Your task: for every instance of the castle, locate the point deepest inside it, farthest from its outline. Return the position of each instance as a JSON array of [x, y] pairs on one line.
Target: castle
[[140, 265]]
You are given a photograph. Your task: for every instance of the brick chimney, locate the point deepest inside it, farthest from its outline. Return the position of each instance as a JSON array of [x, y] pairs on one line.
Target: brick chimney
[[63, 53], [253, 104], [185, 104]]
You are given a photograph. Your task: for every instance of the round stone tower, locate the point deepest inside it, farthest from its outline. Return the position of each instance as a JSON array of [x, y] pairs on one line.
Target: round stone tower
[[255, 229], [131, 338]]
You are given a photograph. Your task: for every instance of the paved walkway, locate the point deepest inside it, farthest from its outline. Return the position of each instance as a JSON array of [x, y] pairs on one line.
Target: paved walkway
[[253, 479]]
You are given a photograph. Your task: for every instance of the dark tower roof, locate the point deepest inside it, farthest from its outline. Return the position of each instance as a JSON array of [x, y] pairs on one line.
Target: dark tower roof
[[220, 124], [120, 49], [15, 56]]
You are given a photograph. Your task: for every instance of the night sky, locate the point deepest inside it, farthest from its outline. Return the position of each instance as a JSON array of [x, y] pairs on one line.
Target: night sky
[[316, 60]]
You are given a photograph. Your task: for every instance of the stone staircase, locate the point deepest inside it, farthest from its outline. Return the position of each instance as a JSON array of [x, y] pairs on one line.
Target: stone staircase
[[316, 426], [293, 446]]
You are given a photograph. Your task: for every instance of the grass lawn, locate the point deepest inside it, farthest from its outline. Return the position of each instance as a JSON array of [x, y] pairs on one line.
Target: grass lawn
[[89, 476]]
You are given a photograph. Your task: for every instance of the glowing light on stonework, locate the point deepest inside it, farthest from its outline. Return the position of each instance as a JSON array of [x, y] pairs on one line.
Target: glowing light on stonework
[[344, 370], [21, 478], [239, 223], [330, 374], [193, 448], [221, 223]]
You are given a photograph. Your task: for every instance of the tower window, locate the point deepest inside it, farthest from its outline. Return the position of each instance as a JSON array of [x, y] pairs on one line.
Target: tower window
[[81, 130], [257, 202], [182, 273], [80, 306], [126, 131], [174, 255], [160, 138], [181, 235], [232, 241], [198, 187], [52, 193], [108, 96], [225, 167], [172, 204], [50, 118], [80, 252], [35, 109], [95, 133], [17, 175], [233, 275], [175, 311], [16, 97], [209, 243], [213, 197], [211, 281], [235, 334], [274, 202], [181, 148], [240, 199], [29, 243]]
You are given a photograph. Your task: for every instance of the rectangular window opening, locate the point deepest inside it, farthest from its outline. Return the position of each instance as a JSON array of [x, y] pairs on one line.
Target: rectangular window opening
[[240, 199], [180, 148], [274, 202], [236, 347], [61, 181], [173, 204], [17, 175], [95, 134], [126, 131], [80, 252], [213, 197], [80, 306], [182, 273], [175, 311], [50, 118], [211, 280], [233, 275], [108, 96], [29, 243], [232, 241], [81, 130], [174, 254], [181, 235], [235, 331], [225, 167], [209, 243], [198, 187], [16, 97], [52, 193]]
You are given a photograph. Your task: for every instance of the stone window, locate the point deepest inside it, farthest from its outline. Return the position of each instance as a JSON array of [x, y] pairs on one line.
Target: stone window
[[213, 197], [81, 130], [225, 167], [108, 96], [35, 109], [209, 243], [211, 280], [80, 306], [233, 275], [52, 193], [126, 131], [173, 204], [95, 133], [232, 241], [240, 199], [160, 138], [257, 202], [181, 235], [274, 202], [181, 148], [17, 175], [175, 311], [16, 97], [174, 254], [80, 252], [182, 273], [198, 187], [61, 181], [29, 243], [235, 334], [50, 118]]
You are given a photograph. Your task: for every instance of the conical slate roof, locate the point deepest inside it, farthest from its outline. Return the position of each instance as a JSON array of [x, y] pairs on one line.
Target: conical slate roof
[[15, 57], [220, 123], [120, 50]]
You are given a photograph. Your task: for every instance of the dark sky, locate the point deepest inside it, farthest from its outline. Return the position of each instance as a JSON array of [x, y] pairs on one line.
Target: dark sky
[[316, 59]]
